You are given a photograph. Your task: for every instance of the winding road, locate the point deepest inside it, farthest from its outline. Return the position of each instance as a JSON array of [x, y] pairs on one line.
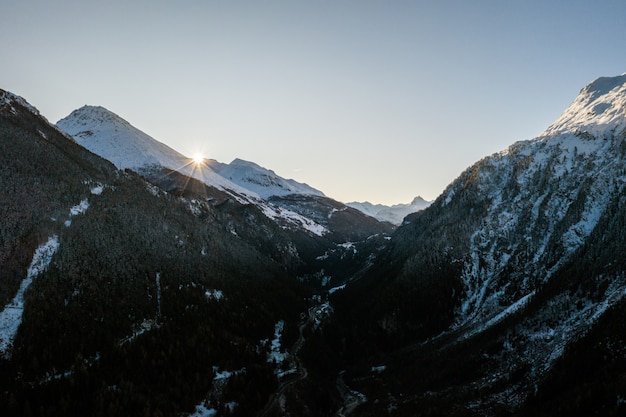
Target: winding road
[[301, 372], [351, 399]]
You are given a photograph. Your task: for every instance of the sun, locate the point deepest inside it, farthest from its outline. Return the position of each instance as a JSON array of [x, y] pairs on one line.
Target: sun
[[198, 159]]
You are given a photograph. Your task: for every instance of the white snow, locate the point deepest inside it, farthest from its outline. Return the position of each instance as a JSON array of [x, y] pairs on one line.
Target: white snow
[[231, 405], [222, 375], [97, 189], [378, 369], [449, 197], [216, 295], [335, 289], [348, 246], [11, 316], [145, 326], [293, 218], [512, 309], [203, 411], [275, 355], [80, 208]]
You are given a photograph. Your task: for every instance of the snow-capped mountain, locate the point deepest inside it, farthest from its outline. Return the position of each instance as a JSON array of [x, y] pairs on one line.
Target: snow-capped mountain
[[110, 136], [505, 245], [264, 182], [537, 202], [393, 214]]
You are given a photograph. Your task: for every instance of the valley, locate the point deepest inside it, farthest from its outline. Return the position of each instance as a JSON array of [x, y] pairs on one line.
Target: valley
[[135, 281]]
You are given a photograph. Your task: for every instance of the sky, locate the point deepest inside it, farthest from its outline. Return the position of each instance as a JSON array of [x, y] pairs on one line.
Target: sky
[[376, 101]]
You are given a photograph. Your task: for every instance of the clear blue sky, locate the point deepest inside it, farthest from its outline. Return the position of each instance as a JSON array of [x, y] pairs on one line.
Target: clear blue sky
[[365, 100]]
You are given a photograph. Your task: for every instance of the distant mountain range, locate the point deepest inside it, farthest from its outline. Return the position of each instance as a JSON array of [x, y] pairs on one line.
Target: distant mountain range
[[393, 214]]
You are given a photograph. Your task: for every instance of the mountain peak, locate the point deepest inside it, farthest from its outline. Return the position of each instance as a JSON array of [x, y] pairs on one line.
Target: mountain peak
[[418, 201], [243, 163], [600, 107], [90, 115], [107, 134]]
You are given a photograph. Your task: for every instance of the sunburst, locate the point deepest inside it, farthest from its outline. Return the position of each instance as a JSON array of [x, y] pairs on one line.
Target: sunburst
[[198, 159]]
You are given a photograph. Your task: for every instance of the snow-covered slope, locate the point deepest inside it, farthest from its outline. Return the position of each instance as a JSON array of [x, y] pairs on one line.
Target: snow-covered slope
[[393, 214], [543, 198], [108, 135], [262, 181]]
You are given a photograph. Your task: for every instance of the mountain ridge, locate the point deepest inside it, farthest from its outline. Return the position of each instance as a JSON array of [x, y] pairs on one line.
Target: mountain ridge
[[109, 135], [264, 182]]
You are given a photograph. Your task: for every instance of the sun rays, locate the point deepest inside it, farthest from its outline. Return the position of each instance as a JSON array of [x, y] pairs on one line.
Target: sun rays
[[198, 158]]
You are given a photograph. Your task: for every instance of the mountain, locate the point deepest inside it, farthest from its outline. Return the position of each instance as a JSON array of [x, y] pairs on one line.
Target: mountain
[[325, 221], [262, 181], [113, 138], [393, 214], [156, 293], [487, 291], [110, 136], [121, 298]]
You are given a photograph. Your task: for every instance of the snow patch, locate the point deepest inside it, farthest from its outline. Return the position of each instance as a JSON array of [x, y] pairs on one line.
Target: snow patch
[[97, 189], [378, 369], [293, 218], [275, 355], [335, 289], [216, 295], [203, 411], [11, 316], [80, 208]]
